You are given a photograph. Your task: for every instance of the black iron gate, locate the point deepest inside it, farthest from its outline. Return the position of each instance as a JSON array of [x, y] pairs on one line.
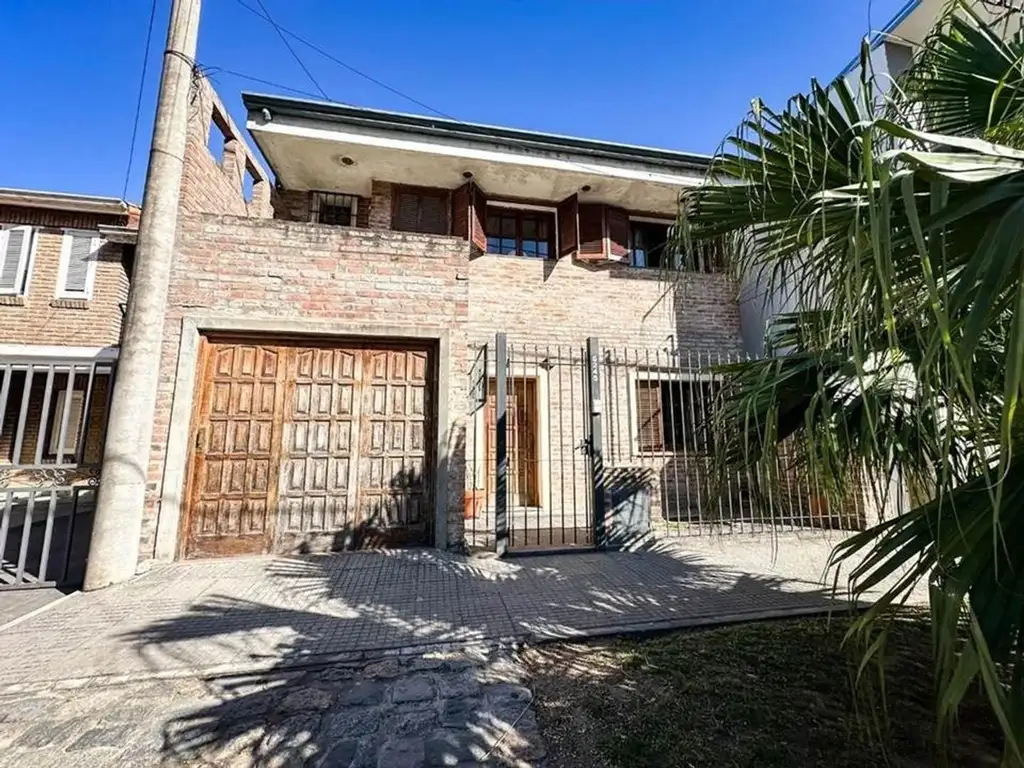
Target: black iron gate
[[580, 446], [53, 417]]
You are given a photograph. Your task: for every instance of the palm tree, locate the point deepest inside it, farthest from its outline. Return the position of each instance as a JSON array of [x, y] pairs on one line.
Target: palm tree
[[897, 237]]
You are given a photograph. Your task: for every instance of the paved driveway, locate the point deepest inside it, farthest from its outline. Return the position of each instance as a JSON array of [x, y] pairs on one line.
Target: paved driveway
[[203, 616], [386, 659]]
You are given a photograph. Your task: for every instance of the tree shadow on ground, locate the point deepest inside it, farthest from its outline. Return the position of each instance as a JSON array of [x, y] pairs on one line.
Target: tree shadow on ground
[[308, 622]]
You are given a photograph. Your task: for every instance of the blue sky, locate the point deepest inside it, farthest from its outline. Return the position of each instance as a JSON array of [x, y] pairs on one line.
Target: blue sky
[[671, 73]]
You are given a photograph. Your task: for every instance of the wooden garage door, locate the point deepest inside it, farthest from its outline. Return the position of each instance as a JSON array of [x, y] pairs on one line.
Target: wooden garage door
[[302, 448]]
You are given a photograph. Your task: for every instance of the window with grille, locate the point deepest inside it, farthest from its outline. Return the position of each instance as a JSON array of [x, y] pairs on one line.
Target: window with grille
[[519, 232], [333, 209], [79, 253], [675, 416], [15, 247], [416, 209]]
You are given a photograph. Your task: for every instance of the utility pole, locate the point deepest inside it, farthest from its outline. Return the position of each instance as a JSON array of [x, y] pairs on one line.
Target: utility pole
[[114, 549]]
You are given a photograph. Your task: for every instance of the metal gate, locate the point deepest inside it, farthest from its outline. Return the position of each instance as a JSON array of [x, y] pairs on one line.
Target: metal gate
[[53, 417], [589, 446]]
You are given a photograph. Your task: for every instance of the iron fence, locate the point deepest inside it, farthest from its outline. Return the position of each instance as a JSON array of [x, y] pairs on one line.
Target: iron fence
[[577, 446], [53, 417]]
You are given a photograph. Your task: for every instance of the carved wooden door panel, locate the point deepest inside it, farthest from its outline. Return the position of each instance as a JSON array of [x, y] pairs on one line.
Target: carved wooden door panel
[[394, 446], [321, 427], [236, 450]]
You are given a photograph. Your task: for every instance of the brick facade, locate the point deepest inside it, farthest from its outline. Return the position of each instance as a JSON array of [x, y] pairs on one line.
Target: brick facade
[[39, 317], [260, 260]]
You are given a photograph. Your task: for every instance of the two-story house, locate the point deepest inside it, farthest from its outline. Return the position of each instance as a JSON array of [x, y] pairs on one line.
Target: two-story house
[[335, 347], [65, 260]]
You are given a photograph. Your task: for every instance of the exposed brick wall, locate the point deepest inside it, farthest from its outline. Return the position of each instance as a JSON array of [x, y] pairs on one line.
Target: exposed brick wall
[[39, 317], [380, 206], [296, 204], [565, 302], [215, 185], [265, 268]]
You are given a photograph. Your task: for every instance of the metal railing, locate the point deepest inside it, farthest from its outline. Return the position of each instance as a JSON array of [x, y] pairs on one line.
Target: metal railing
[[577, 446], [53, 417], [332, 208]]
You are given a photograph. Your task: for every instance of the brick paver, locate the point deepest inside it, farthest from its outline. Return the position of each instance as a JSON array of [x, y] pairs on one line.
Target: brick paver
[[208, 615]]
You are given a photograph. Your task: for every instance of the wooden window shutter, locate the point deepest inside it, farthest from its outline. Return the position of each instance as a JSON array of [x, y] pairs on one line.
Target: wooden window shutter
[[592, 240], [618, 232], [422, 210], [14, 245], [568, 226], [649, 418], [461, 201], [406, 217], [434, 214], [76, 279], [478, 219]]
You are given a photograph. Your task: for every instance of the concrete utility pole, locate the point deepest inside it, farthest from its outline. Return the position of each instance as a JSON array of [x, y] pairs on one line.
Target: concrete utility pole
[[114, 550]]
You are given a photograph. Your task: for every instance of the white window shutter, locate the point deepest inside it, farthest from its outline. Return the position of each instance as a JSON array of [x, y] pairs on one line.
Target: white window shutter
[[76, 279], [14, 245]]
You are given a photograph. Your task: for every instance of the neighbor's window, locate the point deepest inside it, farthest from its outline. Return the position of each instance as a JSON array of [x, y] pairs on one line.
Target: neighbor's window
[[517, 232], [78, 257], [15, 247], [330, 208], [648, 242], [675, 416], [417, 209], [74, 424]]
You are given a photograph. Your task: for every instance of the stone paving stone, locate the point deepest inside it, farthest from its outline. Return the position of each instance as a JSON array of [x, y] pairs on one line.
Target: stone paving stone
[[402, 753], [304, 699], [415, 688], [362, 693], [44, 733]]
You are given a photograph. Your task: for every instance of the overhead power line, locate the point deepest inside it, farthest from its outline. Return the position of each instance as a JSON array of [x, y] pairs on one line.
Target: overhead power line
[[274, 24], [212, 71], [138, 101], [285, 31]]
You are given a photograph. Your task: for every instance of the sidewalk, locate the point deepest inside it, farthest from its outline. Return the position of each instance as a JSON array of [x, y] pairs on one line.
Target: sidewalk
[[203, 617]]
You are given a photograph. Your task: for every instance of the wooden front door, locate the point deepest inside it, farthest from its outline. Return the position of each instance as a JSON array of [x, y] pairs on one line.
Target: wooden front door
[[236, 451], [521, 428], [300, 448]]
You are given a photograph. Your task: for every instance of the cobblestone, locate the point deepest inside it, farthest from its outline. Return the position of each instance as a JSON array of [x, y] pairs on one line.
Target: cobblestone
[[405, 713]]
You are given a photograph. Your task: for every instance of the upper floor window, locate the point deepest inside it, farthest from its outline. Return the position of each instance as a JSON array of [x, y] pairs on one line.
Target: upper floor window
[[333, 209], [648, 244], [15, 247], [520, 232], [420, 209], [78, 256]]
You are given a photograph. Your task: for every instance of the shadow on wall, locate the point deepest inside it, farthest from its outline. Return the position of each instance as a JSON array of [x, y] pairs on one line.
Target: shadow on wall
[[311, 607]]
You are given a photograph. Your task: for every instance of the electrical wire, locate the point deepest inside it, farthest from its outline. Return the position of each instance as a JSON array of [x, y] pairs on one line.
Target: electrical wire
[[280, 33], [285, 31], [212, 71], [138, 102]]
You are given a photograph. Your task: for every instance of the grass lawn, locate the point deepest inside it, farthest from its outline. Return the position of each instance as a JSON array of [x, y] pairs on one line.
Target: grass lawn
[[761, 695]]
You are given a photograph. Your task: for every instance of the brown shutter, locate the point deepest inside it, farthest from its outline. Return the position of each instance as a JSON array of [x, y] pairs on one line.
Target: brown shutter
[[406, 214], [648, 410], [434, 214], [568, 230], [461, 199], [478, 220], [424, 210], [592, 241], [618, 232]]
